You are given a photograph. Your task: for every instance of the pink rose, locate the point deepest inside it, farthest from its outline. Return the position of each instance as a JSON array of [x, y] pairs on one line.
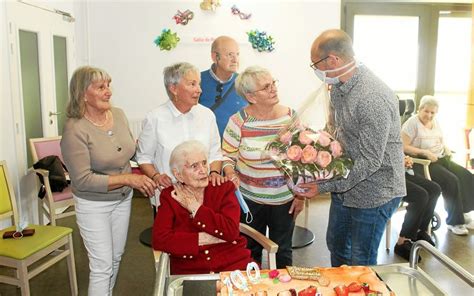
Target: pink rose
[[309, 154], [336, 148], [304, 139], [294, 153], [324, 138], [323, 159], [286, 137]]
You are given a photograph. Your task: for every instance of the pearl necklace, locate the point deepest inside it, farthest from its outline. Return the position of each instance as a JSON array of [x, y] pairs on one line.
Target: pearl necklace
[[97, 124]]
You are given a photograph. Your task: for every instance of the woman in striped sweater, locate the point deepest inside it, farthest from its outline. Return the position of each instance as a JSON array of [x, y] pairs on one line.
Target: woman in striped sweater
[[262, 184]]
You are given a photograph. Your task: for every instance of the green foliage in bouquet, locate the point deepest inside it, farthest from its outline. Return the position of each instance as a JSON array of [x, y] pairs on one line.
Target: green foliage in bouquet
[[306, 155]]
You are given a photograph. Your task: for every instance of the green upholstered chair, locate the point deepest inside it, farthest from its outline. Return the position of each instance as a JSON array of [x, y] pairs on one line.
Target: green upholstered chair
[[50, 244]]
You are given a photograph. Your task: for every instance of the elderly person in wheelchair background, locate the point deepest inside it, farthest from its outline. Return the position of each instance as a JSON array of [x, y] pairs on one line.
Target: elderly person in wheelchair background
[[197, 223], [422, 195], [422, 137]]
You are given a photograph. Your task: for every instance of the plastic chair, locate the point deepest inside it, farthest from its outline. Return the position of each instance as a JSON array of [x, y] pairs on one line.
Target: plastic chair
[[162, 259], [53, 201], [50, 244]]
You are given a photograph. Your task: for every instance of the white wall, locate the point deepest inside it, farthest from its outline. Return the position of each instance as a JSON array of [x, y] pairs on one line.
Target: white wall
[[121, 35], [118, 36]]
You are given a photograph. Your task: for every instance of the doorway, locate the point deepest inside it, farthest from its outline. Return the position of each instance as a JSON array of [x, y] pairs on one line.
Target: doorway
[[41, 47]]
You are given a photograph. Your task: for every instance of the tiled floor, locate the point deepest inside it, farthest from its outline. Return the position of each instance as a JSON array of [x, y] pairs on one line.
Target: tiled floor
[[136, 275]]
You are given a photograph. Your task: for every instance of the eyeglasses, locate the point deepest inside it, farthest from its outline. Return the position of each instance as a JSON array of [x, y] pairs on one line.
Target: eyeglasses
[[229, 55], [269, 86], [219, 89], [313, 65]]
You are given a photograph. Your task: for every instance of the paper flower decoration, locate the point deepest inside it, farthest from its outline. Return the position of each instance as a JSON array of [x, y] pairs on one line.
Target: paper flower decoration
[[167, 40], [261, 41], [183, 17], [236, 11], [210, 4]]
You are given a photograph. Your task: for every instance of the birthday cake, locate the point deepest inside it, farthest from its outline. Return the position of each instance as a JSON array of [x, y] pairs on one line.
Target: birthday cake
[[297, 281]]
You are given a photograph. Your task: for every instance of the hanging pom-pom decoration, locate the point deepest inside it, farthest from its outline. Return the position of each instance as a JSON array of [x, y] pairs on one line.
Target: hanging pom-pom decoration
[[261, 41], [167, 40], [183, 17], [210, 4], [243, 16]]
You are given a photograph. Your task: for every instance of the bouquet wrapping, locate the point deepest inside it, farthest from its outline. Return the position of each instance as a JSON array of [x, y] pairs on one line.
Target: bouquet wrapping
[[305, 154]]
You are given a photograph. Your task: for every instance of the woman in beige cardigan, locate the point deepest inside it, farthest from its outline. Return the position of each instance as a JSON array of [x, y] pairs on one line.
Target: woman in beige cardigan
[[97, 146]]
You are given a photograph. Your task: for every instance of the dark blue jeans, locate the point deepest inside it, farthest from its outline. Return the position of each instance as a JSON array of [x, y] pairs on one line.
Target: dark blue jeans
[[354, 234]]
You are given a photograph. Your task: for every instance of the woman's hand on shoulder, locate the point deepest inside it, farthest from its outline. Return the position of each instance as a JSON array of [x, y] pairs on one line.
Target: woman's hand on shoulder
[[216, 179], [142, 183], [163, 180]]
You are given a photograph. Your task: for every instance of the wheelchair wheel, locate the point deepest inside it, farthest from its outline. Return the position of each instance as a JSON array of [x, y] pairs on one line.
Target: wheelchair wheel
[[435, 222]]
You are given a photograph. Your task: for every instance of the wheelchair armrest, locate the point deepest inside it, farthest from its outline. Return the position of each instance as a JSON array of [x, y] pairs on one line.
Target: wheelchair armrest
[[425, 163], [162, 271]]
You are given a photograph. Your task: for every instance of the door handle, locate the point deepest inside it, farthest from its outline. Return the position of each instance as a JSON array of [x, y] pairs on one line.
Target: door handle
[[54, 113]]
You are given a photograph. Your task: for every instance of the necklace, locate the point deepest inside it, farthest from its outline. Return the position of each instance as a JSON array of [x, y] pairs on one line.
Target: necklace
[[98, 124]]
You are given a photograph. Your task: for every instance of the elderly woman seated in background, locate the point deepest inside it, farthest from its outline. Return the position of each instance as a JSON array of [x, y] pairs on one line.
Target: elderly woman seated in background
[[262, 184], [422, 137], [179, 119], [422, 195], [196, 223]]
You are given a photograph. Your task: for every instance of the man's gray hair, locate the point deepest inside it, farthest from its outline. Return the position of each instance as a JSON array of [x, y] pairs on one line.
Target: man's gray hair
[[246, 82], [173, 74], [180, 153], [428, 101]]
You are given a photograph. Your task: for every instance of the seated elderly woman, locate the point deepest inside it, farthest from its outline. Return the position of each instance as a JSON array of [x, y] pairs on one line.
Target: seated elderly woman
[[422, 195], [197, 223], [422, 137]]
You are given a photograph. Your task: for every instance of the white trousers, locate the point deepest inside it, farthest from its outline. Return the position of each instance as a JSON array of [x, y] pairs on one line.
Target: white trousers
[[103, 226]]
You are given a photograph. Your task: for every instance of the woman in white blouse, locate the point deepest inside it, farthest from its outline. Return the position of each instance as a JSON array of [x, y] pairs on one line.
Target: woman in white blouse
[[423, 137], [179, 119]]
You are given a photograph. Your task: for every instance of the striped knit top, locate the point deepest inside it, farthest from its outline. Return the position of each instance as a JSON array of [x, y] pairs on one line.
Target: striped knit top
[[243, 145]]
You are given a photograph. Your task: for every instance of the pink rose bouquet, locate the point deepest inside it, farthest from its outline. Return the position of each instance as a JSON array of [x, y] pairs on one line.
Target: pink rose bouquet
[[305, 155]]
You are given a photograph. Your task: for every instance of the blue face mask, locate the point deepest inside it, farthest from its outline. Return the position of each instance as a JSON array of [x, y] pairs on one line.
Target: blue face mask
[[322, 75], [244, 206]]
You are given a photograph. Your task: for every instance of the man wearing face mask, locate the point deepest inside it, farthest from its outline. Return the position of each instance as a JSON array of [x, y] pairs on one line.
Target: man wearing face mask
[[217, 83], [366, 121]]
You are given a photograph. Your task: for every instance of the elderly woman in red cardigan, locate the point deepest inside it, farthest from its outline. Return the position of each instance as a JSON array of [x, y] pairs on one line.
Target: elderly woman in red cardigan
[[197, 223]]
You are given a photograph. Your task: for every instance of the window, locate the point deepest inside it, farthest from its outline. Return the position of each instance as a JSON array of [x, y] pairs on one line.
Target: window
[[413, 48]]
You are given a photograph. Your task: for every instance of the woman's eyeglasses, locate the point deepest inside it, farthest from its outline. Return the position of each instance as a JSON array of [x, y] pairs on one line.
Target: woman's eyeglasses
[[269, 86]]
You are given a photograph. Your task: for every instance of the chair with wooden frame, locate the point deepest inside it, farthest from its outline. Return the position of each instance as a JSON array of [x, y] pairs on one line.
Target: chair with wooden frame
[[162, 263], [50, 244], [53, 201]]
